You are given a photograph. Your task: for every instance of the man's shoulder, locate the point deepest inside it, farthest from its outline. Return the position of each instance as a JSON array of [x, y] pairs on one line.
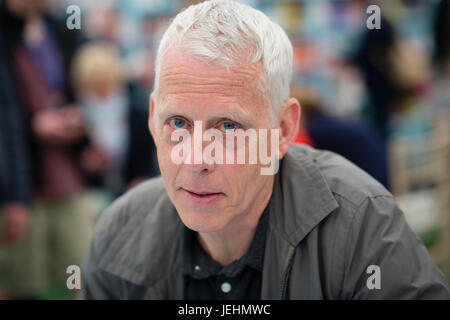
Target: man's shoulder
[[132, 230], [361, 226], [346, 181], [136, 203], [319, 188]]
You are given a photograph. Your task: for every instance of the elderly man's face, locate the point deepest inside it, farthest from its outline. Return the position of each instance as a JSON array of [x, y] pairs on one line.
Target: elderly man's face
[[209, 197]]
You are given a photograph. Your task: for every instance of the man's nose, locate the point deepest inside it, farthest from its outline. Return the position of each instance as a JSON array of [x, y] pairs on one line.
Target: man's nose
[[197, 163]]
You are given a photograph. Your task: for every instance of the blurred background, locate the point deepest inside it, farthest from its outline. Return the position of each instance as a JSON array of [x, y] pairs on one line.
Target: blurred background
[[74, 107]]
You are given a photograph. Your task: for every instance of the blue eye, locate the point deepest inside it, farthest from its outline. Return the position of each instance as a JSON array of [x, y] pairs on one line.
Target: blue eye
[[229, 126], [178, 123]]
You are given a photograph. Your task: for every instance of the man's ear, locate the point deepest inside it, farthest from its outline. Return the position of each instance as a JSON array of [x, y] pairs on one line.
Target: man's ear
[[151, 123], [289, 121]]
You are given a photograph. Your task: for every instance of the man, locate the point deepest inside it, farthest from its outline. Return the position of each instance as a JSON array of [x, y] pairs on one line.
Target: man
[[44, 221], [14, 175], [317, 228]]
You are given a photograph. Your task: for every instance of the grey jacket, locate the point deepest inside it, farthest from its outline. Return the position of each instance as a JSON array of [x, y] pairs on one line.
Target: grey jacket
[[329, 224]]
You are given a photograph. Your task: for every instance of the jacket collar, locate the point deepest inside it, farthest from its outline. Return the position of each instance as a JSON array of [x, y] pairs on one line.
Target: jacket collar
[[301, 196]]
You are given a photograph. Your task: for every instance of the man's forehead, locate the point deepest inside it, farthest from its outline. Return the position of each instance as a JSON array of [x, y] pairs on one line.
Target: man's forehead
[[180, 70], [178, 54], [187, 82]]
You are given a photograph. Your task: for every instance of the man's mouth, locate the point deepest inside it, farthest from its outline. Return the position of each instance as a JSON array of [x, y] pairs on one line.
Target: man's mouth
[[202, 193], [202, 197]]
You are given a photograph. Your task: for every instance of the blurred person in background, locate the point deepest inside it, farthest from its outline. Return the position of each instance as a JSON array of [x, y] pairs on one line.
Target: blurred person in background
[[372, 60], [14, 171], [355, 141], [442, 56], [122, 153], [441, 38], [396, 74], [37, 50]]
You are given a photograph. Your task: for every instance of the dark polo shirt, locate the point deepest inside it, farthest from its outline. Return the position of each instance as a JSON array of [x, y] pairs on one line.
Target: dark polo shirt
[[207, 279]]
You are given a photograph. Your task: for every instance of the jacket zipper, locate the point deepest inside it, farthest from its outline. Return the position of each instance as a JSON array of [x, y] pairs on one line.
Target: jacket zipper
[[287, 271]]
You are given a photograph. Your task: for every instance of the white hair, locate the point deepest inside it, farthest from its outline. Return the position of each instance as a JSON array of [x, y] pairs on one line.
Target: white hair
[[218, 30]]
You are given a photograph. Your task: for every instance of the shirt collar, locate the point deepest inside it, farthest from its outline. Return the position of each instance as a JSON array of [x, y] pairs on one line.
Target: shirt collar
[[197, 264]]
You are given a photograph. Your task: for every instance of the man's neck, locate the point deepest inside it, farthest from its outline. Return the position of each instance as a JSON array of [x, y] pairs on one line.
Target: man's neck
[[231, 243]]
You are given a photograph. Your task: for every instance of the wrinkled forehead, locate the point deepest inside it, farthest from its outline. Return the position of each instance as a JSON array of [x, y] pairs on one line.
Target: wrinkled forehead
[[186, 74]]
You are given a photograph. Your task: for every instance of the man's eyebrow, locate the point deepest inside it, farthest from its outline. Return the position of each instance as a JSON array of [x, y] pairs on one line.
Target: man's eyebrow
[[242, 120], [239, 117], [167, 113], [236, 116]]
